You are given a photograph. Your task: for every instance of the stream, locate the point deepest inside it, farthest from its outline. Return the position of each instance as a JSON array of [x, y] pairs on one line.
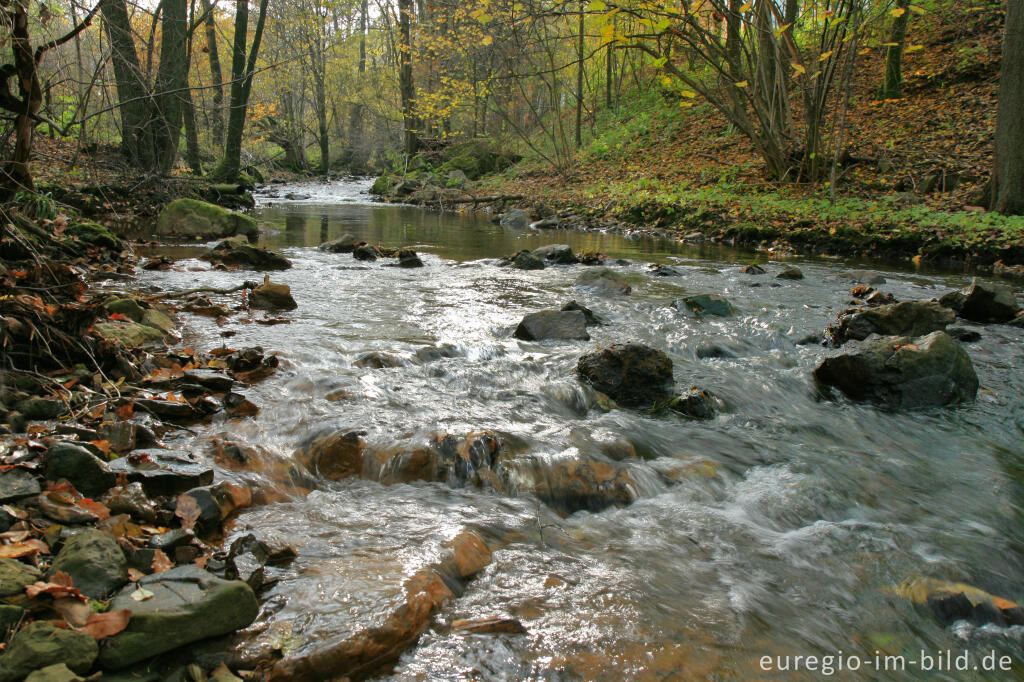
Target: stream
[[778, 528]]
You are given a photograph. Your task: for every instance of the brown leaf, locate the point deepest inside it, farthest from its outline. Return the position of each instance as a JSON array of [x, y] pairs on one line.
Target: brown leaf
[[187, 510], [101, 625], [98, 508], [126, 411], [59, 587], [161, 562], [75, 611], [16, 550], [102, 445], [135, 575]]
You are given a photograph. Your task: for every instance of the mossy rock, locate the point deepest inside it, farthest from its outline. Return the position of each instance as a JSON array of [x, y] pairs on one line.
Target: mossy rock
[[40, 644], [94, 234], [382, 186], [191, 218]]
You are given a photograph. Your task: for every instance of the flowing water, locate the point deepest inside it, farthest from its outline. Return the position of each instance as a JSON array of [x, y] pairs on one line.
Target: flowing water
[[778, 528]]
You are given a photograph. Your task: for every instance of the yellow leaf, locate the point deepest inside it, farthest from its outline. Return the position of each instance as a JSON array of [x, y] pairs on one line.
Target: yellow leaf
[[597, 6], [696, 5], [741, 84], [914, 48], [897, 12], [798, 68], [782, 29], [825, 55], [746, 7], [688, 93], [487, 40], [918, 10], [665, 80]]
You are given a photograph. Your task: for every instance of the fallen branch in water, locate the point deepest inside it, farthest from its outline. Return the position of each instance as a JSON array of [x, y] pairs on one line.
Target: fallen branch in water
[[204, 290]]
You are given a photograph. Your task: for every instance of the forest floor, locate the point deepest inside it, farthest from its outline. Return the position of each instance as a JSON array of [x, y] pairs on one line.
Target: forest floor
[[911, 186]]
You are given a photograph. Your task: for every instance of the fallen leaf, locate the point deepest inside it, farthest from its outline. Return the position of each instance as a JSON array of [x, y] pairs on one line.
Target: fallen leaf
[[135, 575], [75, 611], [187, 510], [59, 586], [125, 411], [98, 508], [102, 445], [17, 550], [161, 562], [141, 594], [101, 625]]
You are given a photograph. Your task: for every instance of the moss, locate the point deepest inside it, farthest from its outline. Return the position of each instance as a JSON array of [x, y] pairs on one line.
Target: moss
[[191, 217], [95, 234], [381, 186]]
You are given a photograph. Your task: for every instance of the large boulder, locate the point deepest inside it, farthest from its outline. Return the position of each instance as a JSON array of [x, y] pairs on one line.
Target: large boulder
[[909, 318], [553, 325], [631, 374], [604, 280], [237, 253], [94, 561], [515, 219], [926, 371], [272, 296], [983, 302], [188, 604], [189, 218], [40, 644]]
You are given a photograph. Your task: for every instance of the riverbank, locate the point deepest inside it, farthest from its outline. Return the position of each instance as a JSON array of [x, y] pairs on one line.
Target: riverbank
[[113, 524]]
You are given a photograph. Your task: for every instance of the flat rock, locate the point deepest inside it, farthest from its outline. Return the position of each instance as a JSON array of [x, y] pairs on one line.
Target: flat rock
[[88, 473], [131, 334], [40, 644], [163, 472], [16, 484], [909, 318], [926, 371], [210, 378], [553, 325], [236, 252], [171, 410], [94, 561], [188, 604]]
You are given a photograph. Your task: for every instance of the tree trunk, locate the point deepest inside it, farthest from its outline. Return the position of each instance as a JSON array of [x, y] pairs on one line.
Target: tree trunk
[[192, 155], [891, 87], [579, 80], [406, 86], [242, 69], [217, 113], [16, 173], [1008, 172], [171, 84], [132, 91]]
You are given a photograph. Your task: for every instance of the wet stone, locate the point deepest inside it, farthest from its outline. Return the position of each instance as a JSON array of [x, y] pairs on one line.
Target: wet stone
[[94, 561], [210, 379], [163, 472], [553, 325], [16, 484], [40, 644], [88, 473]]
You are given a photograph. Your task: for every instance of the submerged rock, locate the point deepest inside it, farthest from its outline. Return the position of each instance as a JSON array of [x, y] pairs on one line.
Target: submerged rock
[[926, 371], [377, 360], [515, 218], [571, 484], [333, 455], [695, 403], [706, 304], [951, 601], [663, 271], [790, 272], [983, 302], [631, 374], [40, 644], [187, 604], [604, 280], [366, 252], [407, 258], [190, 218], [553, 325], [909, 318], [346, 243], [236, 252], [272, 296]]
